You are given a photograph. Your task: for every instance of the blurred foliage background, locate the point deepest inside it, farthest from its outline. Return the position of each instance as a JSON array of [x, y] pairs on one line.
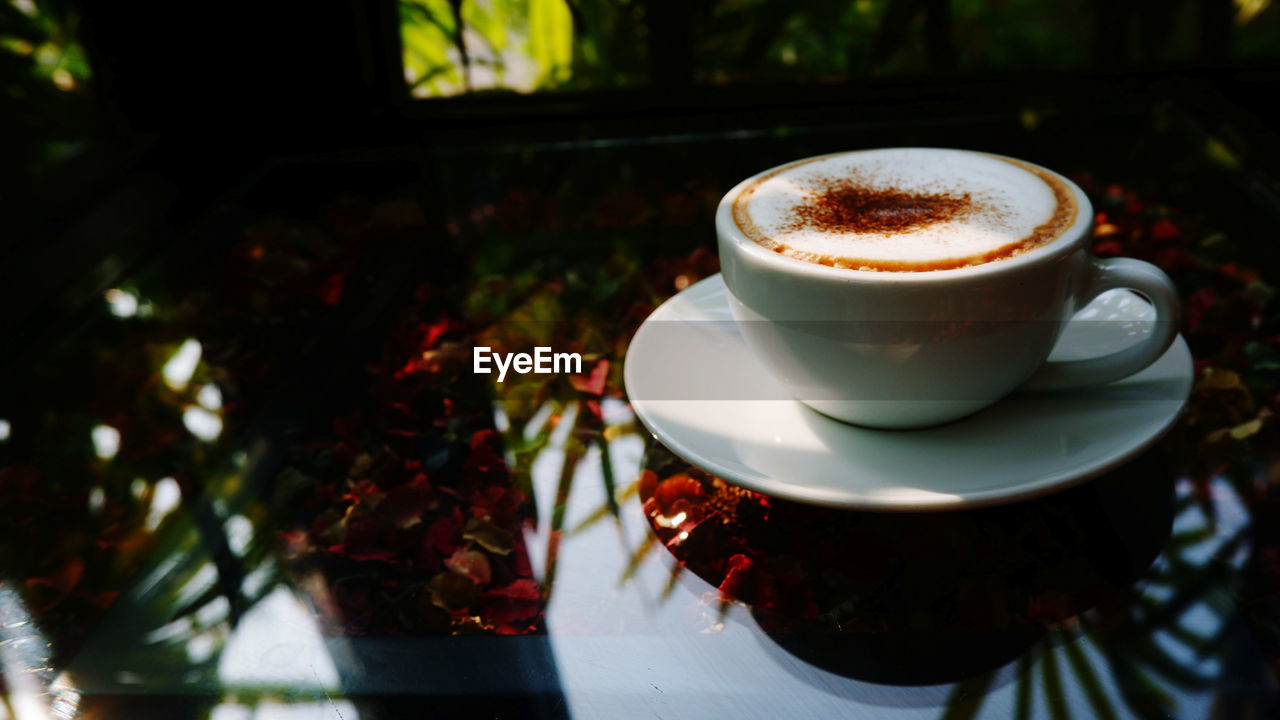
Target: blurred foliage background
[[455, 47], [44, 76], [452, 47]]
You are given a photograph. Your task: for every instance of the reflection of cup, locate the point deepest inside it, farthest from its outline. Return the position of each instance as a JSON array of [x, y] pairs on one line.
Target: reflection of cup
[[912, 348], [913, 598]]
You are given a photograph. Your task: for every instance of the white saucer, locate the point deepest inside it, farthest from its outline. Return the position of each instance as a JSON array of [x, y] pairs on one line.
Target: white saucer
[[697, 388]]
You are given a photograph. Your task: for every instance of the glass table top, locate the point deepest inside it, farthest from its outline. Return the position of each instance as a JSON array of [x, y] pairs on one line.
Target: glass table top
[[259, 478]]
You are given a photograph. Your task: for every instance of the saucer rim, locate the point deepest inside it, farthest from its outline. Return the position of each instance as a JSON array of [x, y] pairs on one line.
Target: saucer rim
[[842, 499]]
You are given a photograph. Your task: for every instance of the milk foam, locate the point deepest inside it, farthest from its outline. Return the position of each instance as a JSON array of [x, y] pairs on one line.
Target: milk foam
[[1013, 208]]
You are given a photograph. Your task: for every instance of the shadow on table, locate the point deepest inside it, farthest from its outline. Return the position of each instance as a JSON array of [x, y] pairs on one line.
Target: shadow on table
[[919, 599], [899, 657]]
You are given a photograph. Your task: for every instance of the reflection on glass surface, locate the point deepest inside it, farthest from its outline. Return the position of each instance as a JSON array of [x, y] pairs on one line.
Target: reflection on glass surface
[[24, 659], [202, 423], [277, 644], [182, 365], [123, 303], [209, 397], [370, 529], [106, 441]]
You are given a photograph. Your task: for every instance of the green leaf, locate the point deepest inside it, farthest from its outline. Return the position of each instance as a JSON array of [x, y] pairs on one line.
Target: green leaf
[[1187, 538], [551, 41], [673, 581], [642, 551], [1218, 153], [606, 472], [425, 54], [606, 509], [490, 23], [14, 24], [1147, 652], [1053, 694], [1022, 701], [1142, 695], [432, 12], [568, 470], [1201, 644], [1102, 709], [427, 29]]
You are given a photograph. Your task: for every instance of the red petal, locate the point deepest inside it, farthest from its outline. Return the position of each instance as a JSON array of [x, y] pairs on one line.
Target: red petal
[[1108, 248], [472, 563], [485, 439], [736, 579], [522, 589], [431, 334], [407, 500], [331, 289], [363, 554], [1165, 231], [512, 604], [648, 483], [63, 580], [594, 383], [678, 487], [445, 535]]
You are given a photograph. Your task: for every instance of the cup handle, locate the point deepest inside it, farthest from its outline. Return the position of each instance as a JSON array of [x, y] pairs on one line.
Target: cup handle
[[1109, 274]]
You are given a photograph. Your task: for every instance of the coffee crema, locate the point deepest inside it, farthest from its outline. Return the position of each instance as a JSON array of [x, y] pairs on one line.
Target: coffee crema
[[905, 210]]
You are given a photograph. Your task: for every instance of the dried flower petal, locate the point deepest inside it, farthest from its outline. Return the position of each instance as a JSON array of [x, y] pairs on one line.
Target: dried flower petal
[[594, 383], [472, 563], [488, 536], [452, 591]]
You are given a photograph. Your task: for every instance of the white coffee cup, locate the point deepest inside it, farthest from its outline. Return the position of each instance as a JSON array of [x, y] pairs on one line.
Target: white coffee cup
[[913, 349]]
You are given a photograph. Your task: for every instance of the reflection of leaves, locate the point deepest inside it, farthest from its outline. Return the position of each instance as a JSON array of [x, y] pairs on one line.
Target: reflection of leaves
[[1022, 700], [1136, 662], [1192, 584], [1145, 650], [43, 69], [525, 451], [1202, 645], [673, 581], [173, 599], [1140, 693], [966, 698], [573, 452], [634, 562], [1054, 696], [606, 472], [522, 304], [607, 509]]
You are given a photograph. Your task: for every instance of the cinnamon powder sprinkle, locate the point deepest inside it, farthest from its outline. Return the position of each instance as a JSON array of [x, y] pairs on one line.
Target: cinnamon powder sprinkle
[[842, 205], [855, 208]]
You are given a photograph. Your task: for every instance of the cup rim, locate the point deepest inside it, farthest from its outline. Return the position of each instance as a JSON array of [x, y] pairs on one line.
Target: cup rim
[[1064, 244]]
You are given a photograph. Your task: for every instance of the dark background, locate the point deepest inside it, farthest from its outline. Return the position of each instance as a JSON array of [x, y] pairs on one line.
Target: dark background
[[174, 105]]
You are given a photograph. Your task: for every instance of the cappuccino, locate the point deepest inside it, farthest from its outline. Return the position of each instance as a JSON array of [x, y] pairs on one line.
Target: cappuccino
[[905, 210]]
